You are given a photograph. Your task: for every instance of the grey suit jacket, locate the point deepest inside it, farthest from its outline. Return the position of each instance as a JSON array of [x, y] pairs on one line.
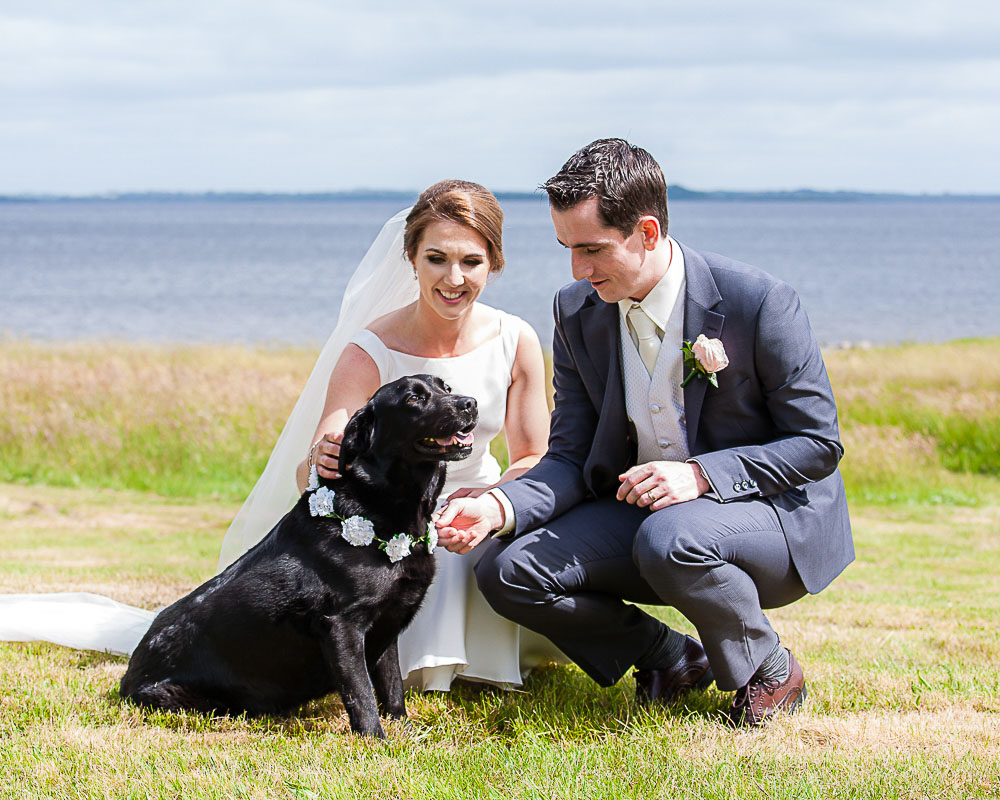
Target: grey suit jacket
[[769, 429]]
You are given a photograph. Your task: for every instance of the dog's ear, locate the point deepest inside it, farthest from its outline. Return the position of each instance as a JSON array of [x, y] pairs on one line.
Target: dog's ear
[[358, 435]]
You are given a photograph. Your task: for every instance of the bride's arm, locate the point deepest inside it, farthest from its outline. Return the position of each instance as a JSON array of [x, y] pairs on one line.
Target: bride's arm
[[354, 379], [526, 426]]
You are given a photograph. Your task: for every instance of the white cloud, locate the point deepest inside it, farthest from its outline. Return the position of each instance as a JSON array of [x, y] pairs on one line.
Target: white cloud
[[307, 95]]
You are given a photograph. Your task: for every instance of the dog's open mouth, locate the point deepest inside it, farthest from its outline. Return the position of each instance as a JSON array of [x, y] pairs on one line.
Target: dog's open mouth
[[452, 444]]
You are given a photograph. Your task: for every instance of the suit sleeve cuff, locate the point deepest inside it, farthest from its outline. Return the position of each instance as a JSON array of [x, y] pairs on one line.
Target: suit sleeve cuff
[[508, 513], [728, 467], [713, 493]]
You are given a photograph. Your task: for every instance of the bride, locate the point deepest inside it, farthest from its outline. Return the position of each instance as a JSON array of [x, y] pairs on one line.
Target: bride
[[411, 307]]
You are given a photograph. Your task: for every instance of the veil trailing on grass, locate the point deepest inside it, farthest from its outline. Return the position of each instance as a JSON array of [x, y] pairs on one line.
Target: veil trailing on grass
[[80, 620], [381, 283]]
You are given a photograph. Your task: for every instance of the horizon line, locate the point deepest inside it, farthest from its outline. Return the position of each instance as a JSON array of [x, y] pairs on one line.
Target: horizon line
[[675, 192]]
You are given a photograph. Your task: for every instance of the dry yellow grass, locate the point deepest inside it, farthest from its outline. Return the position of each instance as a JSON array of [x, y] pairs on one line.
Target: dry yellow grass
[[907, 414], [139, 549], [179, 420], [201, 420], [958, 376]]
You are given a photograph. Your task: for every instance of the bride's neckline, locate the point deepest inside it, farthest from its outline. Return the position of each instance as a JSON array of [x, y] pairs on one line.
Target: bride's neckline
[[475, 349]]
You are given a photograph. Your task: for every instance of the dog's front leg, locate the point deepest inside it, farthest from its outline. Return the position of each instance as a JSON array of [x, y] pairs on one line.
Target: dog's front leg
[[344, 650], [388, 682]]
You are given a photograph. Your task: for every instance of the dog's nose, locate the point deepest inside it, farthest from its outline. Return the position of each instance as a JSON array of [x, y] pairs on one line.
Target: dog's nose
[[467, 404]]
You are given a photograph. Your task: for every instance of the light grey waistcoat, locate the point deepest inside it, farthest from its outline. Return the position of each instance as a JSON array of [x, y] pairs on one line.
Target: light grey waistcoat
[[655, 403]]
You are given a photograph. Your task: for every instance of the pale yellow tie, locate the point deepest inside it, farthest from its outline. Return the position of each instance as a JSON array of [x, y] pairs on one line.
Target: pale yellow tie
[[645, 331]]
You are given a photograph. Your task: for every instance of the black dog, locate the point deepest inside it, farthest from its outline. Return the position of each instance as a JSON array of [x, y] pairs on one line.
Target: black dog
[[305, 612]]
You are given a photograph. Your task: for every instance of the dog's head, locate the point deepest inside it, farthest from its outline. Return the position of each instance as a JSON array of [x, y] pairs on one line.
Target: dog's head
[[415, 418]]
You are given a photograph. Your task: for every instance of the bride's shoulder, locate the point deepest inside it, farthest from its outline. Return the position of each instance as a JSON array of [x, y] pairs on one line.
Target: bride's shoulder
[[484, 316], [489, 317], [519, 340], [510, 324], [493, 323]]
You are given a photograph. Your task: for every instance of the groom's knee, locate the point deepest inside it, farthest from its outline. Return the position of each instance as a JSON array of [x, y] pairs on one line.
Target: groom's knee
[[505, 580], [666, 547]]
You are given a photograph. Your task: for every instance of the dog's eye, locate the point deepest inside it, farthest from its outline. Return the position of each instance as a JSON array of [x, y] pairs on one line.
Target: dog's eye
[[413, 399], [447, 388]]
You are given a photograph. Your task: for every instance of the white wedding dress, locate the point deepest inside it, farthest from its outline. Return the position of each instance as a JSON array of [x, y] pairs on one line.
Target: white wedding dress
[[455, 632]]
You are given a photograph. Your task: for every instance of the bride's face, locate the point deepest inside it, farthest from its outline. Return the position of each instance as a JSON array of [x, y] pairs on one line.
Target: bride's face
[[452, 264]]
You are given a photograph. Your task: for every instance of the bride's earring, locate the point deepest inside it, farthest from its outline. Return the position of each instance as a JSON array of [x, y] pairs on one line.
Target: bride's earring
[[415, 272]]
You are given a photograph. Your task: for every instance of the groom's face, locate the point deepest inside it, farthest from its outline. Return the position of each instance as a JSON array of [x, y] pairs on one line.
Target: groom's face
[[616, 266]]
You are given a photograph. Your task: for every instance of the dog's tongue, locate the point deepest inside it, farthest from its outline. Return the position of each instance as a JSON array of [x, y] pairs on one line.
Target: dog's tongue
[[463, 439]]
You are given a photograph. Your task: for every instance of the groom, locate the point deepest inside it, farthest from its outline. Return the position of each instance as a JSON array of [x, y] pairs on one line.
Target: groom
[[721, 498]]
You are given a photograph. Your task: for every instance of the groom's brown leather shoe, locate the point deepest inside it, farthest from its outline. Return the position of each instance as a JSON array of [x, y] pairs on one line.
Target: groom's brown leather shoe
[[762, 698], [690, 671]]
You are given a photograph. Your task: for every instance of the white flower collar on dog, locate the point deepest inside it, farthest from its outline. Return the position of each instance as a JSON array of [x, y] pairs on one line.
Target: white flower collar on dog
[[360, 531]]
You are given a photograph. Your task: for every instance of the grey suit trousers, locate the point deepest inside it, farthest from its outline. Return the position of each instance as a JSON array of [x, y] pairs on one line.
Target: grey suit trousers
[[719, 564]]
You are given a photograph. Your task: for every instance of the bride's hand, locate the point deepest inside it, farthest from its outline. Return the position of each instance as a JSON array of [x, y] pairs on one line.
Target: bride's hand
[[326, 457], [464, 523]]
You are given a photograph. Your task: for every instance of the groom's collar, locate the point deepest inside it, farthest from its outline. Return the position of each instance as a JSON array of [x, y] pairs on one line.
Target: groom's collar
[[701, 290]]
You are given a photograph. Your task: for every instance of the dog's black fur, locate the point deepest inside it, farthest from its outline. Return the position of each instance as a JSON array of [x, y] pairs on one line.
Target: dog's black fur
[[305, 613]]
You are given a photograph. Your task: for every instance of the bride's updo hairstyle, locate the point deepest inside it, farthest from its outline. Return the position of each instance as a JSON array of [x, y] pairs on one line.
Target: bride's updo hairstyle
[[464, 203]]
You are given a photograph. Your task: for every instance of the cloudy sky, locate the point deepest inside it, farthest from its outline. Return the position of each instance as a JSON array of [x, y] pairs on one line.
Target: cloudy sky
[[313, 95]]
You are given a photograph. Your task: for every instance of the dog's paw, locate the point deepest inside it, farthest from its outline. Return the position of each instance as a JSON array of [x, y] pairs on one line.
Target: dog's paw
[[374, 733]]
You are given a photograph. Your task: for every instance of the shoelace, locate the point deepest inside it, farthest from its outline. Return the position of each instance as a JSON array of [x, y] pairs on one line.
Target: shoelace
[[769, 685], [745, 695]]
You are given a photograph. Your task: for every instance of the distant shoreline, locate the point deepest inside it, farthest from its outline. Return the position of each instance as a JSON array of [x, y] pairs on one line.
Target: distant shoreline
[[15, 339], [373, 195]]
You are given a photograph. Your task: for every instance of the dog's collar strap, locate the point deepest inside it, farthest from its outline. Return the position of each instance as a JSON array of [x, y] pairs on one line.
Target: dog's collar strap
[[359, 531]]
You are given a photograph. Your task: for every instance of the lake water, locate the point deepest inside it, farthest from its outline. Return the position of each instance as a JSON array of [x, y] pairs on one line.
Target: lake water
[[273, 271]]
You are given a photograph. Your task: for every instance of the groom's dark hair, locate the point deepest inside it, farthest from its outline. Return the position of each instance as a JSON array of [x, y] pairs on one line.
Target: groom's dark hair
[[625, 179]]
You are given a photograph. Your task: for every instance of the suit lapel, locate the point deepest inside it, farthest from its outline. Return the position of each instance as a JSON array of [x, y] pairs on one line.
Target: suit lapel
[[701, 296], [613, 449], [599, 323]]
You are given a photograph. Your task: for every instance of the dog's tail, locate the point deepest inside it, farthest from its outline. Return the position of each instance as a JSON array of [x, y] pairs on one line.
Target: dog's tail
[[170, 696]]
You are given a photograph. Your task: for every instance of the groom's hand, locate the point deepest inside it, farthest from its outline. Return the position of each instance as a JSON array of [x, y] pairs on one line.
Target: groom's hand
[[466, 521], [658, 484]]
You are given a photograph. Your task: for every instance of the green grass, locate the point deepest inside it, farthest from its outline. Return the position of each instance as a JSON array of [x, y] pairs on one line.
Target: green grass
[[178, 421], [200, 421], [920, 423], [902, 656], [902, 652], [962, 444]]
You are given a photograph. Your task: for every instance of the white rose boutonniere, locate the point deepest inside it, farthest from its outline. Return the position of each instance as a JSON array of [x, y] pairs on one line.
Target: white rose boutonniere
[[704, 359], [432, 537]]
